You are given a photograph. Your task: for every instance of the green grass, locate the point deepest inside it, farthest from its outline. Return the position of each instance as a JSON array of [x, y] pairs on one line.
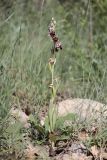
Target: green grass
[[25, 49], [24, 53]]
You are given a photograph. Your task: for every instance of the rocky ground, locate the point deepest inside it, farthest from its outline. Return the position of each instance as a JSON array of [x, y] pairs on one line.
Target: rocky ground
[[71, 149]]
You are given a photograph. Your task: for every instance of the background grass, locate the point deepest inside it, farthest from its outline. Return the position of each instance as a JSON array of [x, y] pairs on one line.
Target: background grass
[[25, 50]]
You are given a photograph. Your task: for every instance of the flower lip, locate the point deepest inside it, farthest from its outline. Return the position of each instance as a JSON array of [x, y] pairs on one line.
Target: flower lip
[[52, 61], [54, 37]]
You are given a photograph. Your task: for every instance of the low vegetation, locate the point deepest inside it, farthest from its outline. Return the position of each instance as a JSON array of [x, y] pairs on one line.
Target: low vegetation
[[36, 74]]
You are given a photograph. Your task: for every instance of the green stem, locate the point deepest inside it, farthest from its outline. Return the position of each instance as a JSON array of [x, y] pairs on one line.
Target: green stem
[[52, 81], [52, 74]]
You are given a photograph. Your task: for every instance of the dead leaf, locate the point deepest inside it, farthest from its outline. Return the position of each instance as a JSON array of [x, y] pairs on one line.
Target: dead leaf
[[104, 155], [30, 152], [83, 136], [95, 151]]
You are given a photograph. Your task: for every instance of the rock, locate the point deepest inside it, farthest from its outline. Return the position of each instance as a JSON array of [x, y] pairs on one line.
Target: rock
[[66, 157], [63, 157], [84, 108], [76, 156], [20, 116], [77, 147], [36, 152], [77, 151]]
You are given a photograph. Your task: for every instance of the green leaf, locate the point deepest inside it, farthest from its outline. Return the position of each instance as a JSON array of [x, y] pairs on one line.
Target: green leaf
[[62, 137], [61, 120], [52, 138], [47, 128], [50, 115], [40, 129], [70, 116], [54, 119], [31, 118]]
